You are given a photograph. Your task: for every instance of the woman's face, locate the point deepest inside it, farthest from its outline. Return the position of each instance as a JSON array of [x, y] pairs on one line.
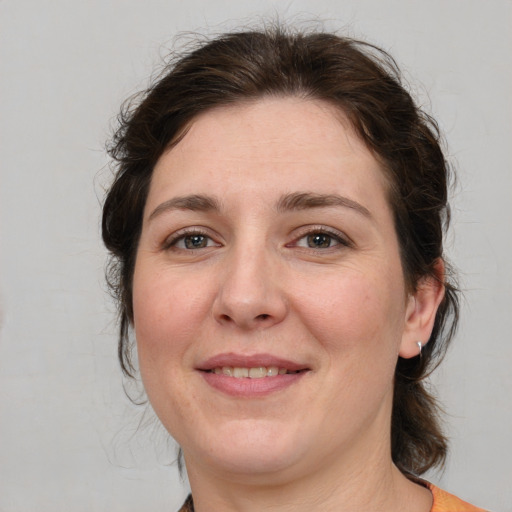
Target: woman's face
[[269, 299]]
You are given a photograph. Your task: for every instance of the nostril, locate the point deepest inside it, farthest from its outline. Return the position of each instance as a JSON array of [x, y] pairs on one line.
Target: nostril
[[264, 316]]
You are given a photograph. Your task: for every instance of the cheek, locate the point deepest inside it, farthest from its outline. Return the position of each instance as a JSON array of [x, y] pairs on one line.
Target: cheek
[[355, 314], [167, 314]]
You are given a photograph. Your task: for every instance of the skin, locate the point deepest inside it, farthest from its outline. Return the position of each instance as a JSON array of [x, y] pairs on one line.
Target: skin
[[258, 282]]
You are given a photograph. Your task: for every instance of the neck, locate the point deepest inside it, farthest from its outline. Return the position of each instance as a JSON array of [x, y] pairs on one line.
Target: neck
[[369, 483]]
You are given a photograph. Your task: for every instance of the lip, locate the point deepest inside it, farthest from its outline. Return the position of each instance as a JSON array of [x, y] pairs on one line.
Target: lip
[[247, 387], [253, 361]]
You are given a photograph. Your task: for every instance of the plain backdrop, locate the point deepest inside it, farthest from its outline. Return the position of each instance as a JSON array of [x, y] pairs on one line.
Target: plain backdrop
[[70, 440]]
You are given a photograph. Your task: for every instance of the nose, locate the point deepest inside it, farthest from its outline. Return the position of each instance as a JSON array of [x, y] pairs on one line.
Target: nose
[[250, 295]]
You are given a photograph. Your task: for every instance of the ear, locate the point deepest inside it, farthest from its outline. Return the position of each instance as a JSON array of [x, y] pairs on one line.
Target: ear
[[421, 311]]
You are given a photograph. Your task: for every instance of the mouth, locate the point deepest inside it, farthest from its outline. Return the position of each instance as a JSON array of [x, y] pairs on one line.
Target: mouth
[[257, 372], [246, 376]]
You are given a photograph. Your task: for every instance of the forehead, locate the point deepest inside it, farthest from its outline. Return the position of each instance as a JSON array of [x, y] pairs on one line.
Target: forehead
[[277, 123], [281, 143]]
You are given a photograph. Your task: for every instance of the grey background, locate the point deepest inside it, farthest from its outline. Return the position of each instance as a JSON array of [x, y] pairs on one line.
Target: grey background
[[69, 438]]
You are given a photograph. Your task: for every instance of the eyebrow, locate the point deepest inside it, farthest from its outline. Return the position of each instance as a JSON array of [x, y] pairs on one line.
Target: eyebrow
[[195, 202], [306, 200], [287, 202]]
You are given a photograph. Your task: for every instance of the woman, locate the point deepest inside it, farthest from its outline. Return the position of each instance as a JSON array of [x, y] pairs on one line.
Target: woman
[[276, 225]]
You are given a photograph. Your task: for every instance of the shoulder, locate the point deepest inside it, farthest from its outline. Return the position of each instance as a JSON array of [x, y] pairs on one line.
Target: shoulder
[[445, 502]]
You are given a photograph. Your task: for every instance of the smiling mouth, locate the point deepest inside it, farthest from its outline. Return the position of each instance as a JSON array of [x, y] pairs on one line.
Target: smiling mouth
[[255, 376], [258, 372]]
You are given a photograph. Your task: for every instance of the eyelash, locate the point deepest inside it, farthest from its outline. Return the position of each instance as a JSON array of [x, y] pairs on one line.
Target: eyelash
[[182, 235], [334, 236]]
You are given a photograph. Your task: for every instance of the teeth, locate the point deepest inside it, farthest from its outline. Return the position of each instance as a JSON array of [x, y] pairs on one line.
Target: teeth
[[251, 373], [257, 373], [273, 370], [240, 372]]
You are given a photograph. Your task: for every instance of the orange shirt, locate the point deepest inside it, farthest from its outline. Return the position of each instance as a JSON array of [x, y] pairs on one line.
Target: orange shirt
[[445, 502]]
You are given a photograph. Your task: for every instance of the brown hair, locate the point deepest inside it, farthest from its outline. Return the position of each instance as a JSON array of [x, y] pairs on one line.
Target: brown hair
[[363, 82]]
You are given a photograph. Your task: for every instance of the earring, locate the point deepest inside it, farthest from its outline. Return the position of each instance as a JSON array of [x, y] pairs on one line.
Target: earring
[[420, 346]]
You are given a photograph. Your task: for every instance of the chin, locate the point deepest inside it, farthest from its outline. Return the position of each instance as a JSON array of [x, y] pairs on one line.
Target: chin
[[252, 448]]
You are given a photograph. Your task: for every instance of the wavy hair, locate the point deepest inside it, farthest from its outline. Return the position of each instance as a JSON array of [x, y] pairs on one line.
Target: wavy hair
[[364, 83]]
